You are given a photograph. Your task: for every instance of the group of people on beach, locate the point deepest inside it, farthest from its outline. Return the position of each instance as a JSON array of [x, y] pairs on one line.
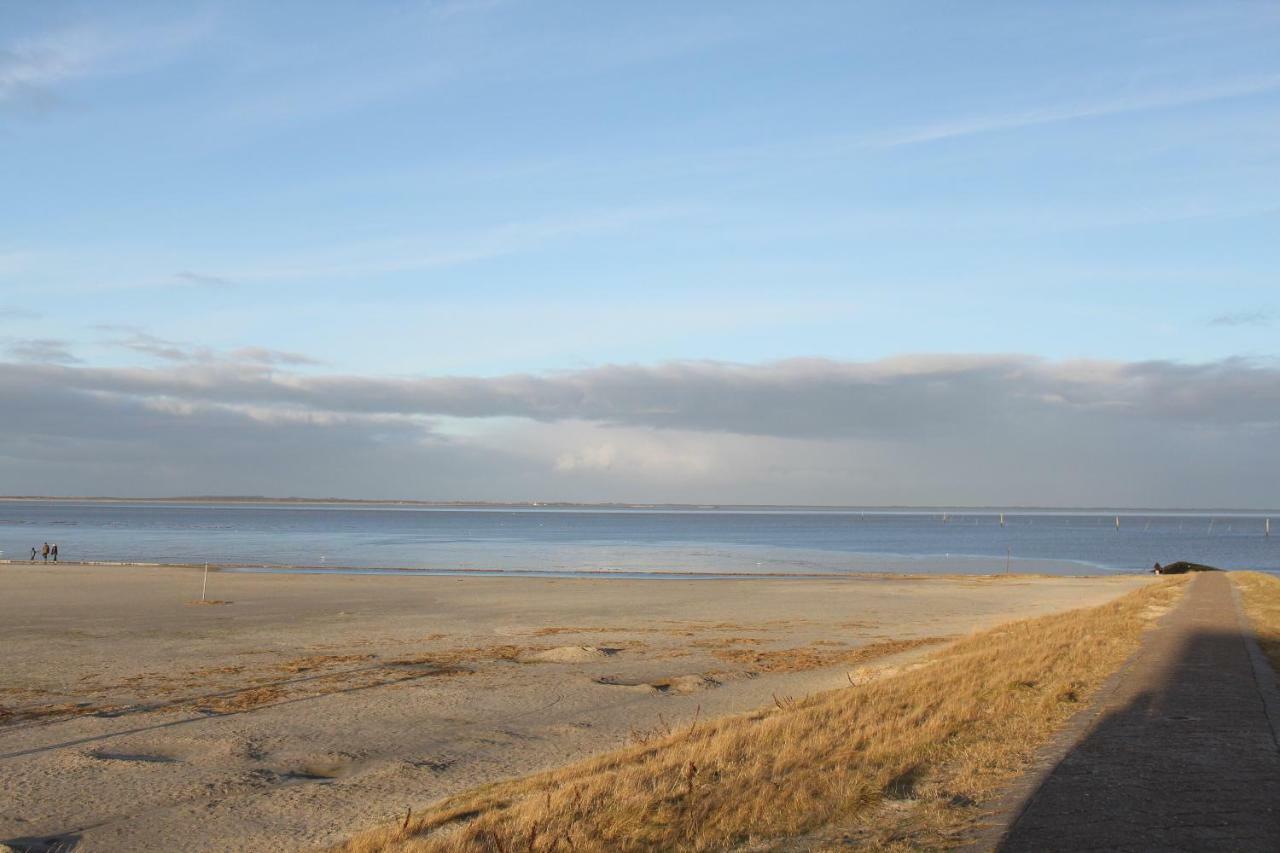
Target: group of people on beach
[[46, 552]]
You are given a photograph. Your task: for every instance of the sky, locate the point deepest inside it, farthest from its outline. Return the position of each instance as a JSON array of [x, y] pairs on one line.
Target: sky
[[856, 253]]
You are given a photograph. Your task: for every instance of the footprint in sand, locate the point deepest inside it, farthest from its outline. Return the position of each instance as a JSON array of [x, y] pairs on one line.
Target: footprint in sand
[[133, 757], [435, 765], [676, 685], [324, 768]]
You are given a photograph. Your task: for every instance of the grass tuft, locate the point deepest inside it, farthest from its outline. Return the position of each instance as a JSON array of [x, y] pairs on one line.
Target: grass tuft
[[1261, 594]]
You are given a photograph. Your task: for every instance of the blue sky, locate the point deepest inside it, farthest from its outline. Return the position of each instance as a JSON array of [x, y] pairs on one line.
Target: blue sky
[[480, 189]]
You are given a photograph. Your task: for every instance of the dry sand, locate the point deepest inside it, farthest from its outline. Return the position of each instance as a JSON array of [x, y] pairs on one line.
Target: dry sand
[[308, 707]]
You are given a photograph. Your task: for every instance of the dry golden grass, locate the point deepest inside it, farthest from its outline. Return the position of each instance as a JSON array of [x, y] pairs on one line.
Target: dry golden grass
[[242, 700], [556, 630], [724, 642], [473, 655], [806, 658], [312, 662], [208, 671], [49, 711], [239, 688], [1261, 594], [899, 761]]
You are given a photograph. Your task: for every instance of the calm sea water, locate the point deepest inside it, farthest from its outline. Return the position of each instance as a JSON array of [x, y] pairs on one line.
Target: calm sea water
[[631, 541]]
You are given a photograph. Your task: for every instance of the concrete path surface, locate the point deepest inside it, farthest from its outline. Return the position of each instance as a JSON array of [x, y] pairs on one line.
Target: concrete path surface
[[1179, 752]]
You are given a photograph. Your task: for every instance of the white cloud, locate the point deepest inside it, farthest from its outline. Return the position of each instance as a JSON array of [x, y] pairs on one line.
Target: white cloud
[[635, 455], [599, 457]]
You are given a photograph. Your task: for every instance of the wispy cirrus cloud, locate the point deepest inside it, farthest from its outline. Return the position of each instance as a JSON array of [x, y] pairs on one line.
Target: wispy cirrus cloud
[[430, 47], [34, 68], [16, 312], [1249, 317], [1136, 102], [447, 247], [263, 355], [41, 351], [202, 279], [140, 341], [30, 68], [144, 343]]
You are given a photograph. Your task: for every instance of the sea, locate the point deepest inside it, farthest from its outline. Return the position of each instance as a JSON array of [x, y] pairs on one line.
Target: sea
[[634, 541]]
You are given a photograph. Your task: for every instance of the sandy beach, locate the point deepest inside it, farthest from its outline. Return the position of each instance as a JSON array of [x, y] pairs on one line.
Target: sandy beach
[[304, 708]]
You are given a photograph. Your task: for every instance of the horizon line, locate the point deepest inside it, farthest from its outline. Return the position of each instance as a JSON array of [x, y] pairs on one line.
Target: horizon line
[[685, 505]]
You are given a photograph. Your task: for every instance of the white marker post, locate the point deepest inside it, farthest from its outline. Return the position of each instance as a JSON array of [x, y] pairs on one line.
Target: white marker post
[[205, 585]]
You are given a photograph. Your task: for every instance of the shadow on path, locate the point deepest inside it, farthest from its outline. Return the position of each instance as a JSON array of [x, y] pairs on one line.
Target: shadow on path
[[1183, 755]]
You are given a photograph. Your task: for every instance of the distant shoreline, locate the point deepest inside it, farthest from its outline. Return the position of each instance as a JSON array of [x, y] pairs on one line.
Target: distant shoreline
[[630, 505], [577, 574]]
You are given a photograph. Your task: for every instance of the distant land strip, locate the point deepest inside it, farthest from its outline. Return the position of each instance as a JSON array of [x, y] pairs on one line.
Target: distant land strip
[[539, 504]]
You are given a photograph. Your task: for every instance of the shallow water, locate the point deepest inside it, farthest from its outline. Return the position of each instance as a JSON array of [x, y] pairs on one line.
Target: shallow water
[[631, 541]]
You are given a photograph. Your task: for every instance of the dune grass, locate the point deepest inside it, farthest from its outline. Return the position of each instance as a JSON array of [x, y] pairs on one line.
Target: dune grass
[[903, 761], [1261, 594], [805, 658]]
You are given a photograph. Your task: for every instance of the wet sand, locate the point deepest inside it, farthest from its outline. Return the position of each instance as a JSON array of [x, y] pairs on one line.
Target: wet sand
[[307, 707]]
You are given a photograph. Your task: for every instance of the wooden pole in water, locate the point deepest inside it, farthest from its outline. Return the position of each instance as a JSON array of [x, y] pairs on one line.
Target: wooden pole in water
[[205, 585], [1008, 553]]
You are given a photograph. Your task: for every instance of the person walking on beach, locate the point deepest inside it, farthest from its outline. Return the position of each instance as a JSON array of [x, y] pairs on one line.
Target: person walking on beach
[[54, 551], [44, 552], [33, 553]]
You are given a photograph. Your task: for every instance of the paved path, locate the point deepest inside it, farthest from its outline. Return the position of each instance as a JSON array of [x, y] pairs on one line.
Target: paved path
[[1182, 754]]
